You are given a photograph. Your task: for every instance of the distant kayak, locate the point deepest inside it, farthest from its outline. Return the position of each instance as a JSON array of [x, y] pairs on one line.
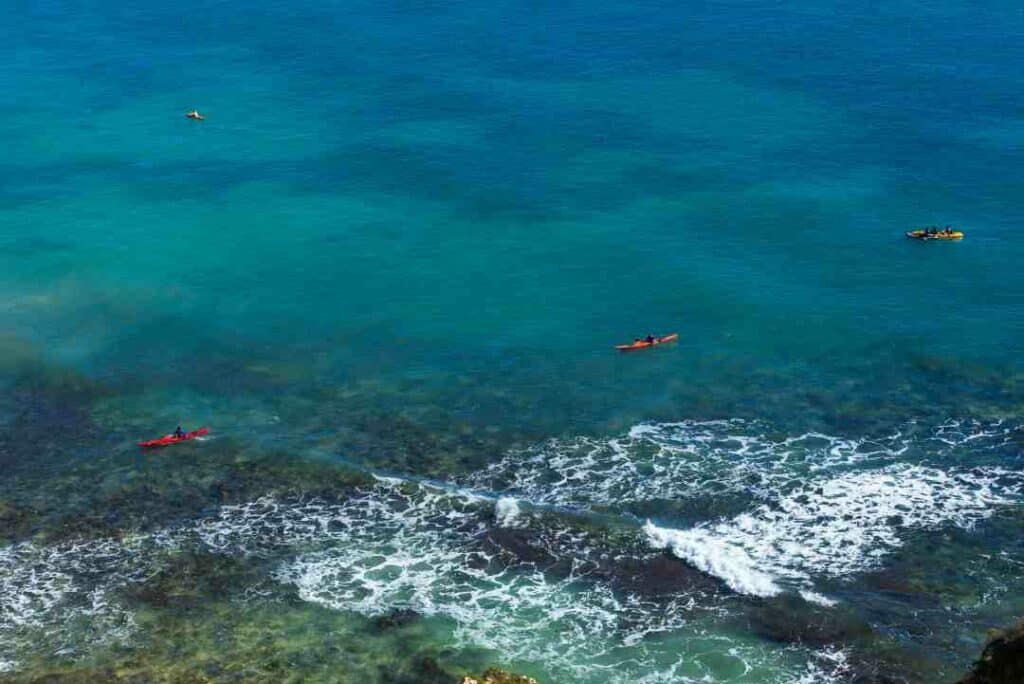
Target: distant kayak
[[167, 440], [925, 235], [644, 344]]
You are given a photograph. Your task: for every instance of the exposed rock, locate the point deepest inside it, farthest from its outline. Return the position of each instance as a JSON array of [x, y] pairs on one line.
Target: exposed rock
[[495, 676], [1002, 661]]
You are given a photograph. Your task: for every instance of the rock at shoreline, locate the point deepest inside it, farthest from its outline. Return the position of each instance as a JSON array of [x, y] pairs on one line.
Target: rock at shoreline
[[495, 676], [1002, 661]]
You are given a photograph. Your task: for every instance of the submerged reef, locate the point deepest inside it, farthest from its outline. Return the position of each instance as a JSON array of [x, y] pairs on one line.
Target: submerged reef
[[1002, 661]]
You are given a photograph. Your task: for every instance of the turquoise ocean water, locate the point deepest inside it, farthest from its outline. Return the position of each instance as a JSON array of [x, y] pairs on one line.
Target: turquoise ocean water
[[403, 244]]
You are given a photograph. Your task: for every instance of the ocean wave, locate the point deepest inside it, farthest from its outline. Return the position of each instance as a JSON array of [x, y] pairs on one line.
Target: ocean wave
[[804, 506], [836, 526]]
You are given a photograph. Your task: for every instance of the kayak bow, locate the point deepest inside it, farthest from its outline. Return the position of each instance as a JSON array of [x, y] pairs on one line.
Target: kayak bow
[[167, 440]]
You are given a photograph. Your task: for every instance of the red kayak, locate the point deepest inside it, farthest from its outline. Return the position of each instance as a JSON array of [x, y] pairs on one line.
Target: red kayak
[[167, 440], [644, 344]]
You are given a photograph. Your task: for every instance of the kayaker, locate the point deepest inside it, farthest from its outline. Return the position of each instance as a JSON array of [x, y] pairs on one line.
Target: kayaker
[[649, 339], [178, 432], [194, 114]]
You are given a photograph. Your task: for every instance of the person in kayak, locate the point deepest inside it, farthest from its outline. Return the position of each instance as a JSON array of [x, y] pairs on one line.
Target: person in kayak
[[178, 432], [194, 114], [650, 339]]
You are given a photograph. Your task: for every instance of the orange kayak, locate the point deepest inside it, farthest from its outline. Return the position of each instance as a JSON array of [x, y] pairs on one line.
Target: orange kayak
[[643, 344]]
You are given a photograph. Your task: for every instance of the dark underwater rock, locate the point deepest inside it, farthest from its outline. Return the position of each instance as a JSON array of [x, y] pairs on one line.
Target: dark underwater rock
[[16, 521], [50, 420], [395, 619], [600, 554], [1002, 661], [789, 619], [420, 670], [659, 575], [285, 476], [189, 578], [519, 545]]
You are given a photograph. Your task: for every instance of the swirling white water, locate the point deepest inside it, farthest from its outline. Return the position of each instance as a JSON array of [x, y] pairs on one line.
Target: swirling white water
[[817, 506], [822, 505]]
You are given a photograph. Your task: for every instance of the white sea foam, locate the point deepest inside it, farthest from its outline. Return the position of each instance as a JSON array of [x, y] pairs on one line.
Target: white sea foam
[[836, 526], [826, 505], [829, 665], [815, 597], [707, 459], [671, 461], [45, 605], [574, 626], [419, 548], [506, 511], [715, 556], [393, 547]]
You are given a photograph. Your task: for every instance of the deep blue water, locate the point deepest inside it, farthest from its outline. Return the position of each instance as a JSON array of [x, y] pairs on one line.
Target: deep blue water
[[408, 235]]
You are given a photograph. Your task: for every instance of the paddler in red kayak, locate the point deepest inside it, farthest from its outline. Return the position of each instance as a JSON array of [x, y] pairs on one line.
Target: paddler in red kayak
[[195, 115], [177, 437]]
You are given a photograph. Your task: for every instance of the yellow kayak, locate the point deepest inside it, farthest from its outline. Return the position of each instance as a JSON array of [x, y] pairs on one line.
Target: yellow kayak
[[941, 235]]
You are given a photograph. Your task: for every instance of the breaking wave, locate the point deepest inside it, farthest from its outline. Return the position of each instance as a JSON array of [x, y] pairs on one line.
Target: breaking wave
[[836, 526], [822, 505], [811, 506]]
